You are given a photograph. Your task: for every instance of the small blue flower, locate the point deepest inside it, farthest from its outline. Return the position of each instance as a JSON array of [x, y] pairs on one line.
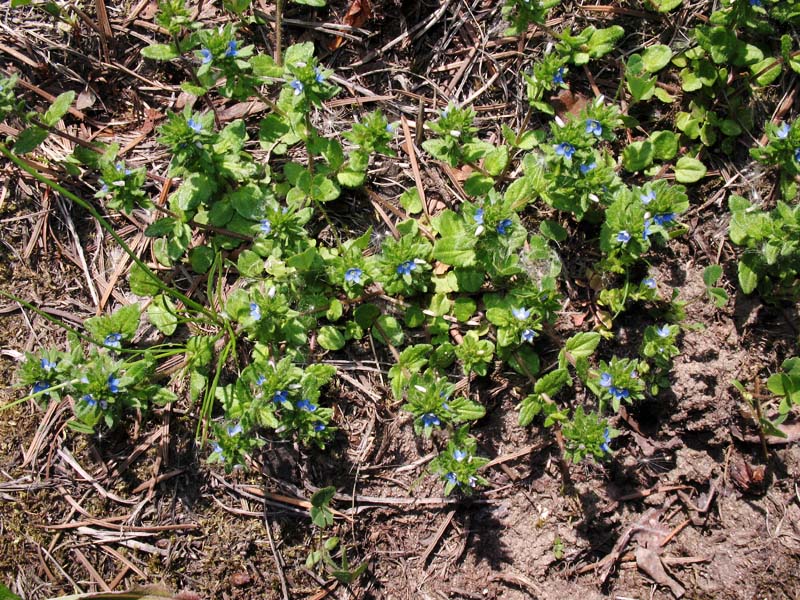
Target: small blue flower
[[664, 219], [217, 449], [521, 313], [265, 226], [664, 331], [619, 393], [89, 399], [623, 237], [233, 430], [606, 440], [260, 380], [528, 335], [783, 131], [649, 282], [605, 380], [194, 126], [207, 56], [648, 197], [389, 128], [430, 420], [306, 405], [446, 111], [594, 127], [40, 386], [478, 216], [586, 168], [473, 481], [755, 2], [353, 275], [797, 154], [297, 85], [231, 51], [319, 426], [280, 397], [255, 311], [113, 384], [646, 232], [113, 340], [103, 404], [318, 76], [104, 186], [565, 149], [558, 78], [120, 167], [451, 478], [459, 455], [502, 226], [406, 267], [47, 365]]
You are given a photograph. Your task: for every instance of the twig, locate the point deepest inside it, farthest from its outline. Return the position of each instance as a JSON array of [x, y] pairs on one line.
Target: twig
[[268, 524]]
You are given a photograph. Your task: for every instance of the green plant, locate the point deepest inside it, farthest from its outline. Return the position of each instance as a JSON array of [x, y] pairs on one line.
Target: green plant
[[771, 242]]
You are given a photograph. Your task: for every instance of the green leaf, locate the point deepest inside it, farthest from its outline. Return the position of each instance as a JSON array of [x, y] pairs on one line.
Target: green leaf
[[467, 410], [711, 274], [351, 179], [439, 149], [718, 296], [582, 345], [641, 88], [411, 201], [457, 251], [748, 276], [529, 408], [638, 156], [666, 5], [248, 202], [552, 383], [160, 228], [771, 71], [366, 314], [29, 139], [478, 184], [250, 264], [201, 258], [194, 90], [496, 160], [656, 58], [553, 230], [330, 338], [314, 3], [664, 95], [665, 144], [391, 327], [689, 170], [141, 282], [162, 314], [464, 308], [160, 52], [59, 108]]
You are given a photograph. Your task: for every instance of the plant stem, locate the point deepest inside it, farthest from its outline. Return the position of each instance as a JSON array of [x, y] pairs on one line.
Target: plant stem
[[278, 32]]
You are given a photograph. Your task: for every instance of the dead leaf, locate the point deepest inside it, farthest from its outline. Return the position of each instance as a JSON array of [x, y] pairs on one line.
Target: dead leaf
[[85, 99], [358, 14], [649, 562], [567, 102]]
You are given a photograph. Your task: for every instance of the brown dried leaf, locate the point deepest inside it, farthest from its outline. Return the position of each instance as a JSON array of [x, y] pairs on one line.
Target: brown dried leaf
[[358, 14]]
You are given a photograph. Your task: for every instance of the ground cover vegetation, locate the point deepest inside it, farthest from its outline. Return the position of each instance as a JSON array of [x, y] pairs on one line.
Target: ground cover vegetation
[[545, 273]]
